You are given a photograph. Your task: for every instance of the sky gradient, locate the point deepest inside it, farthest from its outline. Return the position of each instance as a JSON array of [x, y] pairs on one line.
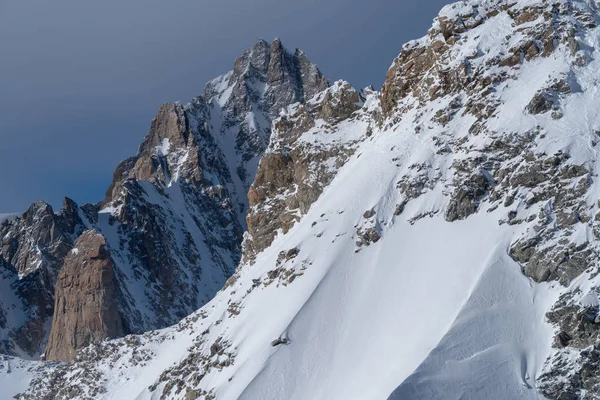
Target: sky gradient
[[80, 81]]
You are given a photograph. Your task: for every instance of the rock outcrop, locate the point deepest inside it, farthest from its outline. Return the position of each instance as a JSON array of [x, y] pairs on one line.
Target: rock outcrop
[[85, 309], [297, 167]]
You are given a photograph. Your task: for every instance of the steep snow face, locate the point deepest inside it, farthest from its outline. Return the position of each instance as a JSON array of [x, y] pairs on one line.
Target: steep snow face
[[524, 74], [451, 253], [358, 324]]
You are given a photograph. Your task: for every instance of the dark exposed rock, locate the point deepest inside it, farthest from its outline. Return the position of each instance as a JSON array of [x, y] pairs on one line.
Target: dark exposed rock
[[41, 226], [465, 199], [400, 208], [368, 237], [580, 329], [279, 342], [547, 99], [578, 326], [86, 299], [285, 256], [523, 250], [542, 102], [121, 173], [369, 214]]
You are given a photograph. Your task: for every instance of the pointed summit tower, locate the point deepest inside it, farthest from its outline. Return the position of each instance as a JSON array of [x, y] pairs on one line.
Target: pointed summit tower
[[172, 220]]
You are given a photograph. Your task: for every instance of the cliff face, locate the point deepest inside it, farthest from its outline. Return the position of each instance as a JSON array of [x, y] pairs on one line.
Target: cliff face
[[86, 299], [172, 220], [32, 249], [298, 166]]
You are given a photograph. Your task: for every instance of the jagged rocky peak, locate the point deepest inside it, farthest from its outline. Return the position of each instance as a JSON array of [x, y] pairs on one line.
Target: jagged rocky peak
[[86, 294], [224, 132], [266, 79], [172, 219], [50, 233], [39, 238], [269, 76], [41, 225]]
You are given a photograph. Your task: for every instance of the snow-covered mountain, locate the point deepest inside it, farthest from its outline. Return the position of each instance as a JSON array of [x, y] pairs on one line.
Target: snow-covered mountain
[[170, 228], [437, 240]]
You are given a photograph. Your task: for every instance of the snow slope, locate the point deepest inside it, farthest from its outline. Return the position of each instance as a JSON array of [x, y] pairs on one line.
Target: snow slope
[[380, 313], [433, 299], [361, 323]]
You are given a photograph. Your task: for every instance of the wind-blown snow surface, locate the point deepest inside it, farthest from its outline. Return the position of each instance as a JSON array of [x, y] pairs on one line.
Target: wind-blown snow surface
[[360, 324]]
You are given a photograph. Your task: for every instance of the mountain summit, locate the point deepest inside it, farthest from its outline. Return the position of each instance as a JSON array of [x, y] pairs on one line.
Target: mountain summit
[[436, 240], [168, 233]]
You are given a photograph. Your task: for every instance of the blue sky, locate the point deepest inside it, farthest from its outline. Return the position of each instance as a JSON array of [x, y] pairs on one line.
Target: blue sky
[[80, 81]]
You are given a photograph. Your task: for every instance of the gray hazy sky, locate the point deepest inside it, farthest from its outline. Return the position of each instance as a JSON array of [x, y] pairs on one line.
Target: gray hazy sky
[[81, 80]]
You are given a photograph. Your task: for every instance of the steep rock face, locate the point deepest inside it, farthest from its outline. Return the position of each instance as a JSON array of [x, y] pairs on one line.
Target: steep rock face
[[86, 294], [440, 65], [174, 216], [265, 80], [39, 226], [297, 166], [224, 132], [32, 250]]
